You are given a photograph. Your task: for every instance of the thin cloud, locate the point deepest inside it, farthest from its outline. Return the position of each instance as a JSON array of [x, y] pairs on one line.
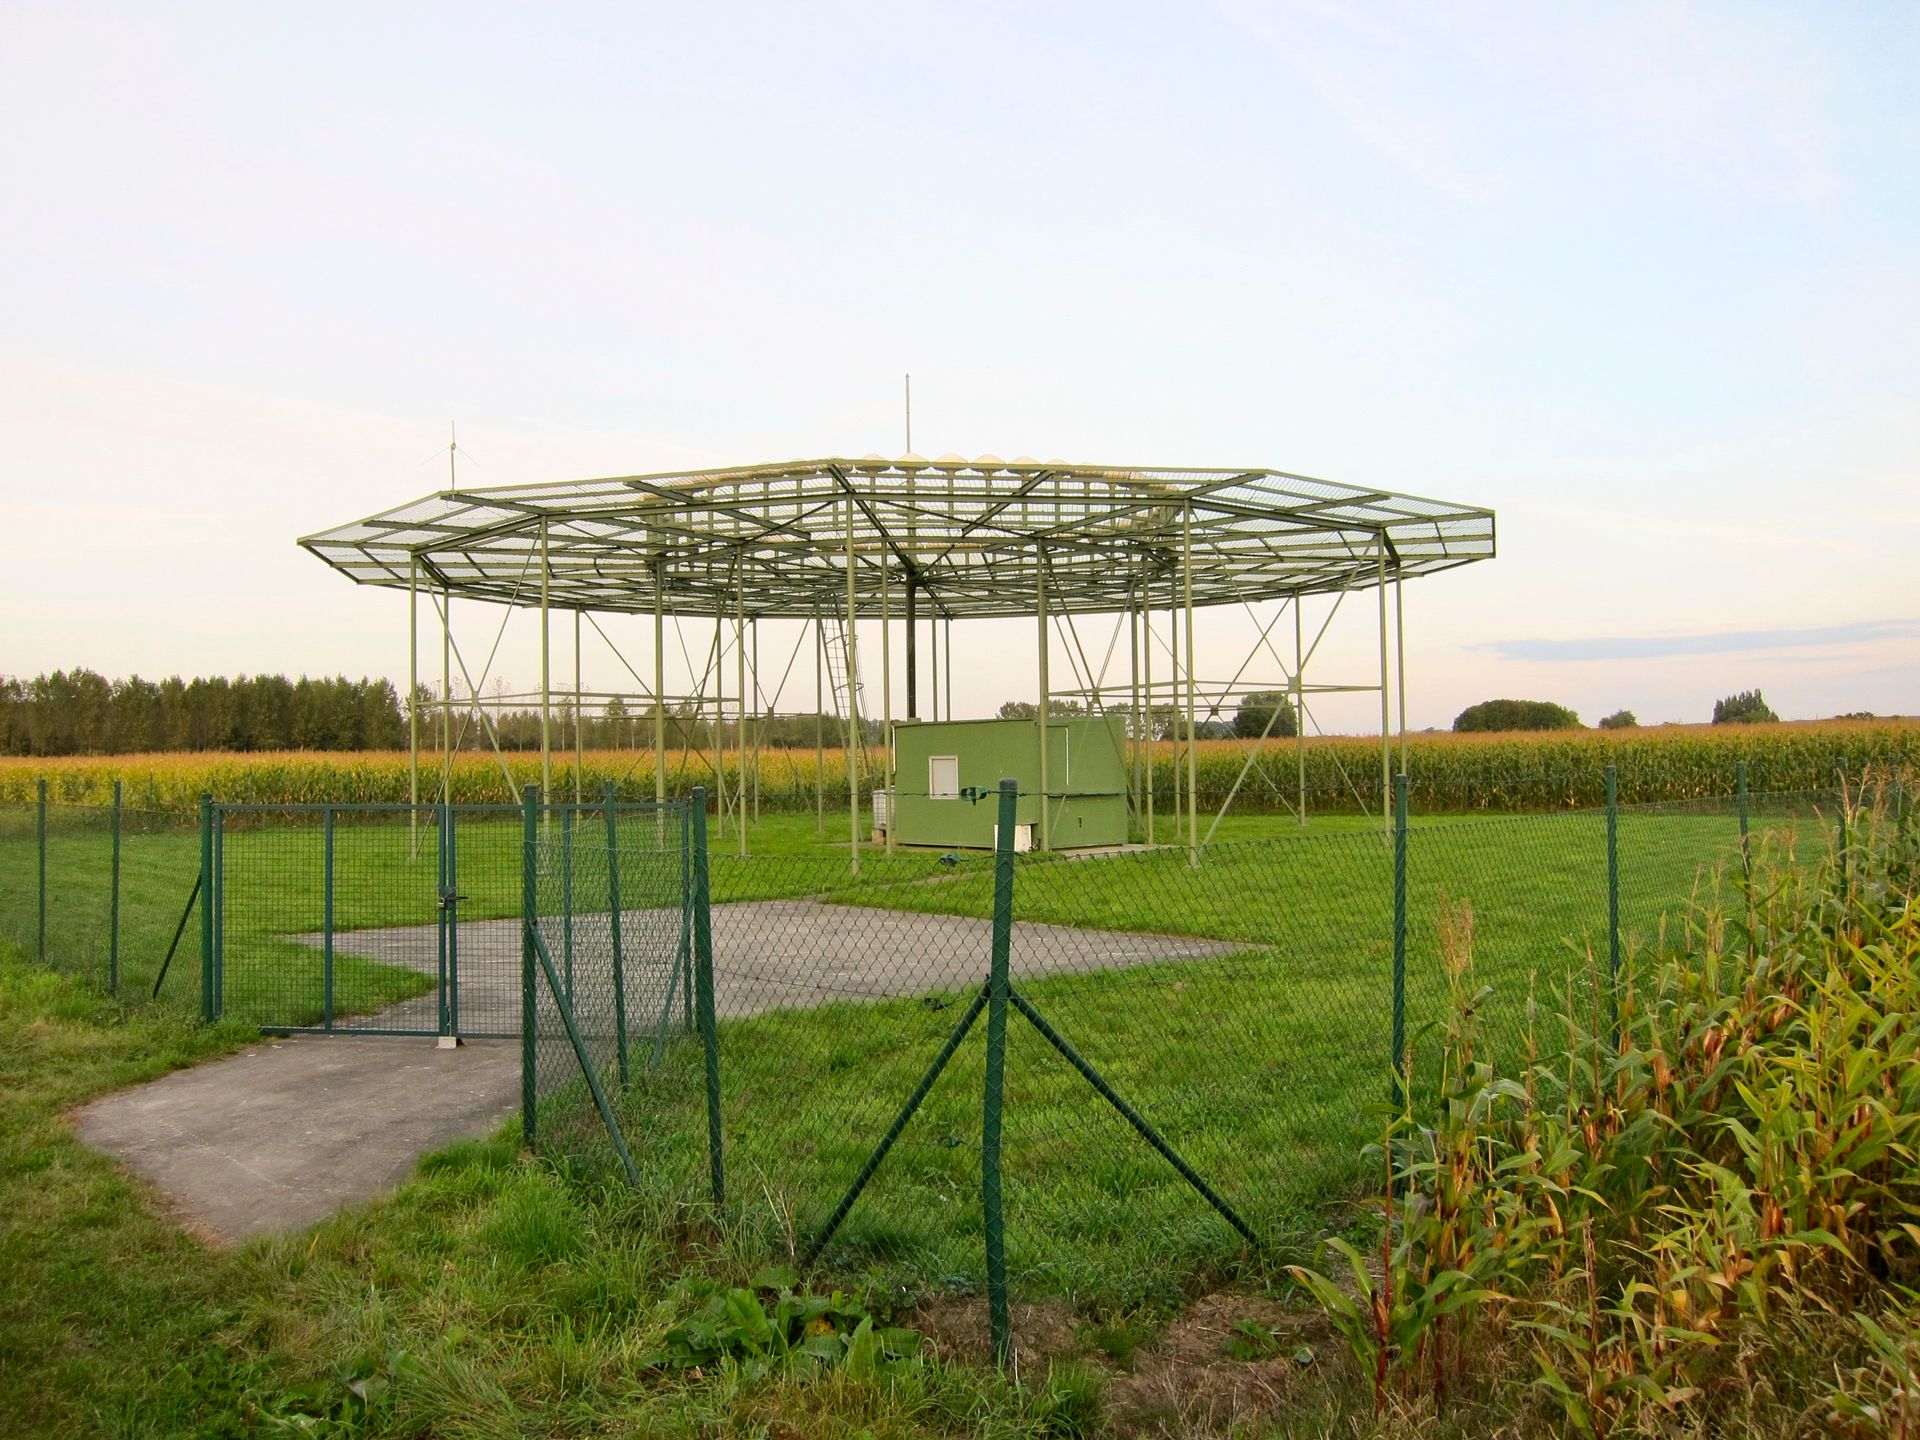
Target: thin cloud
[[1729, 642]]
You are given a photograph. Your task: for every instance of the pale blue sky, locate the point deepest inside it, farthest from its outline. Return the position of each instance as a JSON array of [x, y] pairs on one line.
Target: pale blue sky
[[1642, 277]]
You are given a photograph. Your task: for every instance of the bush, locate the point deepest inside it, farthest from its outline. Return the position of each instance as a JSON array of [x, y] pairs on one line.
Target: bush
[[1256, 709], [1619, 720], [1516, 715], [1746, 708]]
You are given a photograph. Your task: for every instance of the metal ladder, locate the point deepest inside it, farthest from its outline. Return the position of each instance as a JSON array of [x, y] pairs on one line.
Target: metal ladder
[[843, 681]]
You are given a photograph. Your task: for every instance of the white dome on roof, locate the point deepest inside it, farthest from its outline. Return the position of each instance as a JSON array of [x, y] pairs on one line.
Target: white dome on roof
[[951, 459], [989, 461], [910, 459]]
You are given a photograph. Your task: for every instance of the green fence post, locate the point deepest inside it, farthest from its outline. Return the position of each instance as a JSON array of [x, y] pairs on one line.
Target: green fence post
[[703, 1002], [219, 910], [1613, 900], [613, 922], [1899, 812], [206, 908], [113, 903], [40, 829], [992, 1211], [453, 926], [1746, 846], [441, 886], [529, 917], [1840, 804], [326, 917], [1400, 939]]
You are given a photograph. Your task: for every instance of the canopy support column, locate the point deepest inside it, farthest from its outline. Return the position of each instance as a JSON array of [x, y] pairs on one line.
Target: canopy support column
[[546, 671], [1147, 737], [913, 656], [1400, 660], [819, 726], [579, 716], [853, 714], [1300, 701], [1386, 722], [1133, 714], [886, 692], [1046, 789], [740, 705], [446, 695], [413, 708], [759, 717], [1193, 739], [659, 683]]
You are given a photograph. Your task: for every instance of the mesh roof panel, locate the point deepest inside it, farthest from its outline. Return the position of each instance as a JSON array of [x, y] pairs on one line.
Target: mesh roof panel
[[976, 537]]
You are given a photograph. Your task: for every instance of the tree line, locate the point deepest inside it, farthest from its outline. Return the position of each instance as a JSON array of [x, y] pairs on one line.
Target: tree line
[[81, 712]]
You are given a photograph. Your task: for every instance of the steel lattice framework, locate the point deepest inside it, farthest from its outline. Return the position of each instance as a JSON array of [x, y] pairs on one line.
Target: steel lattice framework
[[838, 542], [974, 538]]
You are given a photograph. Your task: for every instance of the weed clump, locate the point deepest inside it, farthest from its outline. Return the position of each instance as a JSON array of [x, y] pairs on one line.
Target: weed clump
[[1694, 1190]]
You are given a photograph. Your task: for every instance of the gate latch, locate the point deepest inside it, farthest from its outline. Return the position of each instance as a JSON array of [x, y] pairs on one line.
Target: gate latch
[[448, 898]]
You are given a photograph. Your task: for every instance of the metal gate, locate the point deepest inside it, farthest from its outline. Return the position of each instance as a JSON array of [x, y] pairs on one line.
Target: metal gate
[[384, 919]]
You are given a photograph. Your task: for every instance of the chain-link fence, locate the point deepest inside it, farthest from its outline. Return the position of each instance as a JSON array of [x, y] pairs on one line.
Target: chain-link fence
[[1194, 1053], [1157, 1054], [100, 891], [606, 969]]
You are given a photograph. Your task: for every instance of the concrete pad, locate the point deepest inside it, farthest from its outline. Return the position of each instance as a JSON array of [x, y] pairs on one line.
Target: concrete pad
[[288, 1131], [767, 955], [282, 1135]]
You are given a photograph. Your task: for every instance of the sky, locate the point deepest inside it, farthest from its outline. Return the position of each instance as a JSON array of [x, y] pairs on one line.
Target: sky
[[1643, 278]]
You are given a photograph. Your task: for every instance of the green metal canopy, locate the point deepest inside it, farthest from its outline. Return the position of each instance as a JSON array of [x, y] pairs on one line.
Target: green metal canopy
[[974, 538]]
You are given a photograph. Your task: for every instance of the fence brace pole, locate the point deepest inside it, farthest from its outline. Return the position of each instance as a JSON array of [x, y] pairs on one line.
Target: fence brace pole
[[529, 917], [566, 899], [113, 903], [992, 1211], [613, 922], [703, 1001], [1613, 900], [1400, 939], [206, 908]]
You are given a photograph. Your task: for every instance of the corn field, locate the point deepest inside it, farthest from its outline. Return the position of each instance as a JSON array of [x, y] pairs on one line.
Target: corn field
[[1448, 772]]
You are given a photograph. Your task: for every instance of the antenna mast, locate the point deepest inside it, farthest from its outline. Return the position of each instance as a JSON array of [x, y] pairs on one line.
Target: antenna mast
[[909, 414]]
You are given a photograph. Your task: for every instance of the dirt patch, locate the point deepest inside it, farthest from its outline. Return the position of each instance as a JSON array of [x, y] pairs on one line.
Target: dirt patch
[[956, 1330], [1188, 1383], [1227, 1361]]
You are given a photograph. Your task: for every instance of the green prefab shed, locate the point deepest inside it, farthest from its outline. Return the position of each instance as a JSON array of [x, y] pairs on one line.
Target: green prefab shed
[[936, 761]]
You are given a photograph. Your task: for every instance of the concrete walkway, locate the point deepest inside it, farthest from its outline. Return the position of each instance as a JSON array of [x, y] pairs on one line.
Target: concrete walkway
[[288, 1131]]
